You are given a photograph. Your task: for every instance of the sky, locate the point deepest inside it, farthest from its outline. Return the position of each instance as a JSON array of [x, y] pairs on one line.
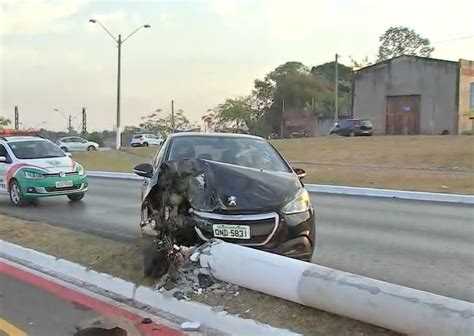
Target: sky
[[197, 53]]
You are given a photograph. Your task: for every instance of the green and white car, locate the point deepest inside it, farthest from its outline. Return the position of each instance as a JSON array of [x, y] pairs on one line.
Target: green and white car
[[32, 168]]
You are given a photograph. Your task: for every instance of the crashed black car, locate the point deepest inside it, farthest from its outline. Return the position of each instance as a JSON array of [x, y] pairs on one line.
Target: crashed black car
[[234, 187]]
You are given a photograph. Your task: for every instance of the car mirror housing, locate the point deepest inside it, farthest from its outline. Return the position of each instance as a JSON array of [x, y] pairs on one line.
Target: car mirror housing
[[301, 173], [68, 154], [144, 170], [3, 159]]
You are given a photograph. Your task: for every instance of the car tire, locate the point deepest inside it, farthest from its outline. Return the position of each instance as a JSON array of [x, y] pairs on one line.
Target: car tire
[[91, 148], [76, 197], [352, 134], [145, 144], [64, 149], [16, 196]]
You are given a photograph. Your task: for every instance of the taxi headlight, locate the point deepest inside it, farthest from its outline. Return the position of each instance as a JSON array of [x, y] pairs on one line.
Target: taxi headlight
[[33, 176]]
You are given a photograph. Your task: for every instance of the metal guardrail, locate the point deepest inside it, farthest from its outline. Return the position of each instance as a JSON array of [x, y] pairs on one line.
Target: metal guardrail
[[340, 190]]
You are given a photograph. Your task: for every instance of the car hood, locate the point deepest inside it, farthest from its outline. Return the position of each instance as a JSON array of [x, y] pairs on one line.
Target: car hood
[[53, 165], [219, 187]]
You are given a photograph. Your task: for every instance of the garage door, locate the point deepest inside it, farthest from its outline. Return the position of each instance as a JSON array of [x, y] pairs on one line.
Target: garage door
[[403, 115]]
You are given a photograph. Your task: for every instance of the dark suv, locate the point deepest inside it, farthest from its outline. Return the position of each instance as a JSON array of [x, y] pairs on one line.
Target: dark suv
[[352, 127]]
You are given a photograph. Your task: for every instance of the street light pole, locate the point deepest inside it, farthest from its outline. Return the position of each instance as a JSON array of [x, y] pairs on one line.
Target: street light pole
[[119, 42], [118, 141]]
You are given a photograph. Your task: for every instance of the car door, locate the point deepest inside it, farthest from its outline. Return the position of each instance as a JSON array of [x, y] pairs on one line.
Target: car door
[[4, 167]]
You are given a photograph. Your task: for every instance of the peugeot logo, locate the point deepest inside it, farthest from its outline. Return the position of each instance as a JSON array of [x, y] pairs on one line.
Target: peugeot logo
[[232, 201], [62, 174]]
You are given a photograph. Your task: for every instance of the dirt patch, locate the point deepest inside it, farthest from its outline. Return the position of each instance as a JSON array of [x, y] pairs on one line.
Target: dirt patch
[[124, 260]]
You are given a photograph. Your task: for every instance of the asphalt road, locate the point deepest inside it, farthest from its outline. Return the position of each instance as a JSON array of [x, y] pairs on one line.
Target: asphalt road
[[423, 245], [32, 311]]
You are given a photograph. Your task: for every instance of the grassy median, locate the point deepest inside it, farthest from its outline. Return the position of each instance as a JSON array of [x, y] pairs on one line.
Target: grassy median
[[421, 163], [124, 260]]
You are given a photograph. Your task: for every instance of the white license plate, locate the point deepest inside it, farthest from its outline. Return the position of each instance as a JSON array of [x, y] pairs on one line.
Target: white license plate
[[231, 231], [64, 184]]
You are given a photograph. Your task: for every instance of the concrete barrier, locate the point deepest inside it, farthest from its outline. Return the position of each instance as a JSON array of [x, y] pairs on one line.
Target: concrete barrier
[[339, 190], [387, 305]]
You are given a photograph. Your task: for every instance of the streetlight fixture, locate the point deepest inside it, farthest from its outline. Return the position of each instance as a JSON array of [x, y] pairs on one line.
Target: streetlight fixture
[[119, 42]]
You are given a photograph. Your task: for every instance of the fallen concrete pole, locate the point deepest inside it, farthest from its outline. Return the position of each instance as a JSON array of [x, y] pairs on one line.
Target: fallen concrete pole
[[380, 303]]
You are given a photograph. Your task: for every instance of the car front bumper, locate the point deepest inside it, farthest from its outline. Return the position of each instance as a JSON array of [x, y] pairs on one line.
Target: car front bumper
[[47, 187], [289, 235]]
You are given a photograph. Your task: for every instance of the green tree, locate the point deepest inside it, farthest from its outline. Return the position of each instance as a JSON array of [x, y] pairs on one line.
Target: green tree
[[397, 41], [4, 122], [235, 113], [154, 123]]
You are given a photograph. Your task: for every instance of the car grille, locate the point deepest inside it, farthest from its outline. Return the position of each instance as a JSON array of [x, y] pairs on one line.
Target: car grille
[[262, 227], [53, 189], [57, 174]]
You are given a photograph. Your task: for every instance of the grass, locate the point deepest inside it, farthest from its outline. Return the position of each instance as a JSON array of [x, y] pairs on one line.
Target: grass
[[124, 260], [421, 163]]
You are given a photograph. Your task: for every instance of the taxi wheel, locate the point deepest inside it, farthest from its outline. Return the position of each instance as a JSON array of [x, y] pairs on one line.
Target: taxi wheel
[[16, 197], [76, 197]]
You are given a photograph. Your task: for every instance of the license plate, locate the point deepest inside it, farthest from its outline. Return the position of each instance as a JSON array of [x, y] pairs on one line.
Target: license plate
[[64, 184], [231, 231]]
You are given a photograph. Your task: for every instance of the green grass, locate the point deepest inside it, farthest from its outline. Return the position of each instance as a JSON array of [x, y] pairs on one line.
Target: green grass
[[421, 163]]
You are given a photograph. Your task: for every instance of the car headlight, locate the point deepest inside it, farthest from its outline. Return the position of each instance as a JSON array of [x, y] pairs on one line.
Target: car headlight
[[33, 176], [300, 203]]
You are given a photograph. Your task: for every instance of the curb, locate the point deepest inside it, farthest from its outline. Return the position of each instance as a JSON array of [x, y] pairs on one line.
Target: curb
[[187, 310], [339, 190]]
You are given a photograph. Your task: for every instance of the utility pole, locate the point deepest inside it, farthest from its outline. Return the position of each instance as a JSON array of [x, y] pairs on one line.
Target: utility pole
[[336, 91], [172, 117], [119, 133], [84, 121], [69, 127], [17, 119]]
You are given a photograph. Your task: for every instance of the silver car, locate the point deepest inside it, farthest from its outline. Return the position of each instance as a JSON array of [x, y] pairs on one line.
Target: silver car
[[76, 144]]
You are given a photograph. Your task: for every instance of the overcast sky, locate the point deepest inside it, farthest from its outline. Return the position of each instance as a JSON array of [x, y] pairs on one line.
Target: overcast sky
[[197, 52]]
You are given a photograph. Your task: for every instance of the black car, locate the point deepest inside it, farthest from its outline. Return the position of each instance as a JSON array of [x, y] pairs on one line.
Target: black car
[[352, 127], [234, 187]]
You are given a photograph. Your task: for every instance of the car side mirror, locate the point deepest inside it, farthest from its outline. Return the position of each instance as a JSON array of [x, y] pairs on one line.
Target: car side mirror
[[3, 159], [68, 154], [301, 173], [144, 170]]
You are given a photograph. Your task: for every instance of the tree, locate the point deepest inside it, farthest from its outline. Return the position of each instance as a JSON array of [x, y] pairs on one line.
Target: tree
[[397, 41], [4, 122], [164, 125], [235, 113]]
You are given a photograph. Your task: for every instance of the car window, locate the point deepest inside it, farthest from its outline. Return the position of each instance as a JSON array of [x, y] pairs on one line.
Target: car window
[[35, 149], [137, 136], [247, 152], [158, 156], [3, 151]]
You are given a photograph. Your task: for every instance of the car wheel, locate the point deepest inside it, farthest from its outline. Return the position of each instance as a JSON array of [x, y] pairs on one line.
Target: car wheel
[[351, 134], [145, 144], [76, 197], [16, 196], [64, 149], [91, 148]]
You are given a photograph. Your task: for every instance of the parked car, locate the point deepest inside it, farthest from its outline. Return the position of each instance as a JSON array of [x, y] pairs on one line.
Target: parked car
[[145, 140], [352, 127], [76, 144], [229, 186], [32, 167]]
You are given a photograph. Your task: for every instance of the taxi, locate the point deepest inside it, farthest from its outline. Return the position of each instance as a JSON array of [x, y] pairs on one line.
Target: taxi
[[32, 167]]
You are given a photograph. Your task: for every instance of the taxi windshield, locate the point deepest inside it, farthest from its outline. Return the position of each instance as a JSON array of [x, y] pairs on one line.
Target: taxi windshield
[[35, 149]]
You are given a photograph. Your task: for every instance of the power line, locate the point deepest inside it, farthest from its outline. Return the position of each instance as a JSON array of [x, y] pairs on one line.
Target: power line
[[455, 39]]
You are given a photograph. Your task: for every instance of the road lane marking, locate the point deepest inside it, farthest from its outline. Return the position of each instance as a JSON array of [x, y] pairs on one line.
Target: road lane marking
[[10, 329]]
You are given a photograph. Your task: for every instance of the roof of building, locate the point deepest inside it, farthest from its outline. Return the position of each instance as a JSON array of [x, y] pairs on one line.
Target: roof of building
[[429, 59]]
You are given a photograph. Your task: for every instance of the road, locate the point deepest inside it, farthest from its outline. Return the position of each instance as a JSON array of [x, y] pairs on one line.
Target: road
[[423, 245]]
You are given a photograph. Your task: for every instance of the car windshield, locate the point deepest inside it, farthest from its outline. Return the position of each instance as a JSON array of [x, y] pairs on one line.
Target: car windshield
[[35, 149], [247, 152]]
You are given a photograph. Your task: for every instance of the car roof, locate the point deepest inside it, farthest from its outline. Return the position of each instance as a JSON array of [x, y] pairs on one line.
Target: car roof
[[21, 138], [222, 135]]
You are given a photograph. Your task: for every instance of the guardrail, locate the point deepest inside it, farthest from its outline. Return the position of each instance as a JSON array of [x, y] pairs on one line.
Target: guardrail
[[340, 190]]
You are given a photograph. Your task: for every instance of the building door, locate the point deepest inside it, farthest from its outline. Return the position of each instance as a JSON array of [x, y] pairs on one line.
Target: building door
[[403, 115]]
